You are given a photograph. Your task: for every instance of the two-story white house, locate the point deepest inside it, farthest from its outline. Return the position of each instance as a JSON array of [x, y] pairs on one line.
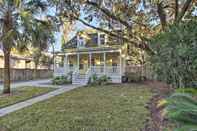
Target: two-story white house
[[92, 52]]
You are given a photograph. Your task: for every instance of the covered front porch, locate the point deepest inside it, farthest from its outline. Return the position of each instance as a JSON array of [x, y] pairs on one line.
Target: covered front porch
[[109, 63]]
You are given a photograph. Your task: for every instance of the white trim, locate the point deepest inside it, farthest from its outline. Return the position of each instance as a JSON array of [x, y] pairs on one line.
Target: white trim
[[104, 59], [120, 63], [90, 59], [66, 63], [98, 39], [93, 52], [78, 58]]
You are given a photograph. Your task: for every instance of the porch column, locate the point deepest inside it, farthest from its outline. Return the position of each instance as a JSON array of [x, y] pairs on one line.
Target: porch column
[[104, 58], [66, 63], [78, 61], [120, 63], [90, 60]]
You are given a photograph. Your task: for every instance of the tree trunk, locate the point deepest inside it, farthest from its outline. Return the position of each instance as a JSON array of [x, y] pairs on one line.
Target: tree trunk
[[53, 58], [162, 15], [184, 9], [176, 10], [6, 89], [35, 71]]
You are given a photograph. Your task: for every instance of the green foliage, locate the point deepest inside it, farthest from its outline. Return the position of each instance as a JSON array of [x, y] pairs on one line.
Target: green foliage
[[36, 55], [102, 80], [46, 60], [182, 108], [175, 61], [191, 91], [61, 80]]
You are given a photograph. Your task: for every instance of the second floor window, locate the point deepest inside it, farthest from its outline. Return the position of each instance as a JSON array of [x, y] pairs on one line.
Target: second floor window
[[102, 39], [81, 42]]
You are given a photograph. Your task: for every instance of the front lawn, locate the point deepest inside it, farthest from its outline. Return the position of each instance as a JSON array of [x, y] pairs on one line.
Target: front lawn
[[108, 108], [21, 94]]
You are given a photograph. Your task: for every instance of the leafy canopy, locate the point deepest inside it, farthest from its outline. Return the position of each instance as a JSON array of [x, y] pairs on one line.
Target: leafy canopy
[[175, 61]]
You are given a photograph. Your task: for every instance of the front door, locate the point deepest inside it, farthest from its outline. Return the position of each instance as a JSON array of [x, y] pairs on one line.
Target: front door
[[83, 65]]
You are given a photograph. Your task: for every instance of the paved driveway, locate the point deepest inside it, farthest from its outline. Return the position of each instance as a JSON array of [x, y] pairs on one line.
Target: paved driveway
[[38, 83]]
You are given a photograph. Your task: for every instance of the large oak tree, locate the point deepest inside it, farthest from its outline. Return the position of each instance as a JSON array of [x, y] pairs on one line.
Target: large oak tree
[[140, 19]]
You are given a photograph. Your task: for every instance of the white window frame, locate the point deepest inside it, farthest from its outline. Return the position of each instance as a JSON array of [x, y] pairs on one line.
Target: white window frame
[[80, 42]]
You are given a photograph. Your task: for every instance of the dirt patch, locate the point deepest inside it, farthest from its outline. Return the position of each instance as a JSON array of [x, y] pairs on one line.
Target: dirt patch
[[157, 122], [14, 93], [4, 129]]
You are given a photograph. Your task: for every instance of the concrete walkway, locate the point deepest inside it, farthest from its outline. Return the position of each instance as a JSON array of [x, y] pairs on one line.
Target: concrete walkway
[[38, 83], [21, 105]]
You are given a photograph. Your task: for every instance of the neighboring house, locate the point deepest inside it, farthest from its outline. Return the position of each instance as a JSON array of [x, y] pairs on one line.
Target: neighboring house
[[91, 52], [19, 62]]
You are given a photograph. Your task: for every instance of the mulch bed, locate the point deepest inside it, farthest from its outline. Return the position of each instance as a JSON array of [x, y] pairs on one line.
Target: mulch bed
[[157, 122]]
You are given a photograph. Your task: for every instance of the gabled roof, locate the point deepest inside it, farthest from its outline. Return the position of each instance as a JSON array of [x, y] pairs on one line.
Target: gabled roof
[[71, 43], [86, 34]]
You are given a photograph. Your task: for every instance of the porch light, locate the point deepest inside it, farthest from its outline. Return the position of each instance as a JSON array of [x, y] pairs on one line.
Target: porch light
[[123, 55], [85, 62], [98, 62]]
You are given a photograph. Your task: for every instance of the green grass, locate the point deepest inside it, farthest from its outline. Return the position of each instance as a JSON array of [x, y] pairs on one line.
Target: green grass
[[191, 91], [21, 94], [108, 108]]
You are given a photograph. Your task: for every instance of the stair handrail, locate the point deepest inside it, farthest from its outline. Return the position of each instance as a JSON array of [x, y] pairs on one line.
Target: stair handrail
[[75, 72], [88, 74]]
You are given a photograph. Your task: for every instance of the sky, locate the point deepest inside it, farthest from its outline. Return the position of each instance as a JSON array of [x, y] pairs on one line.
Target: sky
[[58, 35]]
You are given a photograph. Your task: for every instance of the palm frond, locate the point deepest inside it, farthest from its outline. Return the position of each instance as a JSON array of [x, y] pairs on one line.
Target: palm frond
[[183, 109]]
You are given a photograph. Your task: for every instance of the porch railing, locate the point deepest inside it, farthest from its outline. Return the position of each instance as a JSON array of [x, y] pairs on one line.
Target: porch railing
[[112, 70], [108, 70], [59, 70], [99, 70]]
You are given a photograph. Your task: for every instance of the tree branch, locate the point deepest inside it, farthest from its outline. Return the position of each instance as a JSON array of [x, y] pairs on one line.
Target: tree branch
[[184, 9], [108, 13], [142, 45]]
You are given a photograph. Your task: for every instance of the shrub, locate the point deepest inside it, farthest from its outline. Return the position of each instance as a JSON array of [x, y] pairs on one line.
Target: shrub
[[103, 80], [182, 108], [190, 91], [174, 60], [60, 80], [134, 77]]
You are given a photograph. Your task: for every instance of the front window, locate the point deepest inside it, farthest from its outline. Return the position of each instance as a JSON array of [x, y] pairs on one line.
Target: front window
[[102, 39], [94, 38], [81, 42]]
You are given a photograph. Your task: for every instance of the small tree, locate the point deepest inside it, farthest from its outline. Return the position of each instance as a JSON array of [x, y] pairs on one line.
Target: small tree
[[46, 60], [41, 39], [36, 55]]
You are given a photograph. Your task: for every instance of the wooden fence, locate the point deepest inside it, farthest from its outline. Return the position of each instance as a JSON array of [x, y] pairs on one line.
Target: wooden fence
[[144, 71], [26, 74]]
